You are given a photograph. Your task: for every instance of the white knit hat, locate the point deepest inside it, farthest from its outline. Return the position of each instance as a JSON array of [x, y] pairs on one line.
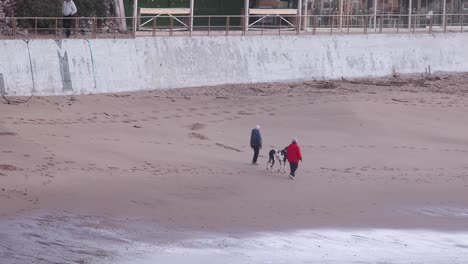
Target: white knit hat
[[294, 140], [257, 126]]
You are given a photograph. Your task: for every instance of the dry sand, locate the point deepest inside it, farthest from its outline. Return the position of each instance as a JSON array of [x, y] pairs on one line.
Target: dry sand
[[383, 154]]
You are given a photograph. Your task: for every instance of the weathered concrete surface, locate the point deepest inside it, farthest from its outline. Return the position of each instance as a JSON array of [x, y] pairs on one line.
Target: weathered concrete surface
[[48, 67]]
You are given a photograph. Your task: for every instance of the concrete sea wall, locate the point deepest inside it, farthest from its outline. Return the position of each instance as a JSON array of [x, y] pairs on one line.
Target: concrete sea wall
[[75, 66]]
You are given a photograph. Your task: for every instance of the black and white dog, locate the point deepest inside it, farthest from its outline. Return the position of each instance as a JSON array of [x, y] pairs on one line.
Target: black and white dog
[[280, 156]]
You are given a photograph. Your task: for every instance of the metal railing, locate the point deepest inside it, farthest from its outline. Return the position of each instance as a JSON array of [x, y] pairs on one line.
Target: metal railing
[[160, 26]]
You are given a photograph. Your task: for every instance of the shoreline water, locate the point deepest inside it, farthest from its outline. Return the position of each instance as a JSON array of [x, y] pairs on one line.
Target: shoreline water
[[63, 238]]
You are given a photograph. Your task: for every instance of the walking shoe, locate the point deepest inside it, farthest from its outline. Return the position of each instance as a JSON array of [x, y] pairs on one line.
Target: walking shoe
[[292, 177], [254, 163]]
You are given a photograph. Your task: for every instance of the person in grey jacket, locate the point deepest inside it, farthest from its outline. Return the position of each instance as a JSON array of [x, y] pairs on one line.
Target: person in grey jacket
[[256, 143], [68, 10]]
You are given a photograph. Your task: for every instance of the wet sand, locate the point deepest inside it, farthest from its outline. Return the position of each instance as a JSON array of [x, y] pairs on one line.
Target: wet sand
[[161, 167]]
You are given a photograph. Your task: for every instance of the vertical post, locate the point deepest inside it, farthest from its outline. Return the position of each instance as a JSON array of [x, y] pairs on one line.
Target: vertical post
[[398, 26], [94, 27], [263, 25], [209, 25], [76, 26], [331, 24], [381, 23], [154, 27], [135, 14], [365, 25], [299, 15], [306, 2], [171, 25], [113, 28], [314, 31], [192, 8], [279, 28], [444, 20], [347, 24], [445, 24], [56, 27], [430, 23], [227, 25], [243, 25], [410, 12], [35, 28], [462, 20], [341, 14], [14, 28], [298, 28], [375, 15], [246, 15]]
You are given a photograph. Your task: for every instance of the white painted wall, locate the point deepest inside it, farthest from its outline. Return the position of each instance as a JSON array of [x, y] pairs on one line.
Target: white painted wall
[[101, 65]]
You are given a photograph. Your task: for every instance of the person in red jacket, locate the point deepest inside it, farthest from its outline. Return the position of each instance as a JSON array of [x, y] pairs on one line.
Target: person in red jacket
[[294, 155]]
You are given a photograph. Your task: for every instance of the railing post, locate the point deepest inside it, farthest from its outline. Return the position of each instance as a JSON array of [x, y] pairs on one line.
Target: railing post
[[14, 28], [244, 25], [462, 20], [191, 26], [381, 24], [410, 12], [192, 7], [263, 25], [134, 23], [398, 25], [279, 28], [375, 15], [171, 26], [365, 24], [77, 23], [227, 25], [94, 27], [35, 28], [445, 23], [444, 15], [154, 26], [56, 27], [314, 31], [298, 24], [431, 19], [341, 15], [347, 24], [113, 28], [414, 24], [209, 25], [331, 24]]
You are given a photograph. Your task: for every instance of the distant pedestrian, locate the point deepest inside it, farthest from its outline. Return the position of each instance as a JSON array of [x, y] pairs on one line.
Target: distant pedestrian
[[69, 10], [256, 143], [294, 156]]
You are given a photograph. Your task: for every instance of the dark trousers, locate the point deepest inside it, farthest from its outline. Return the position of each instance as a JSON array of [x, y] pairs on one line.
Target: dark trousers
[[256, 152], [67, 22], [293, 166]]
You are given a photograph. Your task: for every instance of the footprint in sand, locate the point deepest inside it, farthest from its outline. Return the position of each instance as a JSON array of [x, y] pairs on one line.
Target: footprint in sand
[[197, 126], [198, 136], [8, 167], [7, 134], [228, 147]]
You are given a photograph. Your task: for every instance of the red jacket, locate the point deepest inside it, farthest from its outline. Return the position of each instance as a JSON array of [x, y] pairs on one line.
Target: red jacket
[[294, 153]]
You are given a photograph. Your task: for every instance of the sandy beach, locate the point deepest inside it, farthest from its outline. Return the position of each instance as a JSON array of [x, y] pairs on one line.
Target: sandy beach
[[110, 178]]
